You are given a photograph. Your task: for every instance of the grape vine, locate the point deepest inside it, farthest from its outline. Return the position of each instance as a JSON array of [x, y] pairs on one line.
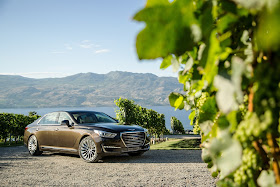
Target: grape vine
[[226, 53], [131, 113]]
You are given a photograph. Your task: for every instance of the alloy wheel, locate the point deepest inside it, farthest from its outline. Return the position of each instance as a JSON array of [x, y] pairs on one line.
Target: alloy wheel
[[32, 144], [88, 149]]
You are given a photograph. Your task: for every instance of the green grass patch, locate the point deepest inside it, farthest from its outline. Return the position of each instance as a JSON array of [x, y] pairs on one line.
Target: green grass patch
[[19, 143], [174, 144]]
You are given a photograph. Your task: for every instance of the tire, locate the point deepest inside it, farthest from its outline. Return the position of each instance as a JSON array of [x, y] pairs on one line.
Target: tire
[[139, 153], [87, 150], [33, 146]]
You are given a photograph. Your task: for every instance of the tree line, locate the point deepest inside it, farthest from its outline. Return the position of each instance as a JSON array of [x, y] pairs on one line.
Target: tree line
[[13, 125], [131, 113], [177, 126]]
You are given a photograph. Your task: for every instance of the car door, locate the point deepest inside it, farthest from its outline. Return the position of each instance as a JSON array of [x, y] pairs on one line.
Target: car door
[[66, 136], [46, 128]]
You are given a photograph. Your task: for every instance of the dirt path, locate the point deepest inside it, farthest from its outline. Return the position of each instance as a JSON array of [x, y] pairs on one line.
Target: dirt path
[[154, 168]]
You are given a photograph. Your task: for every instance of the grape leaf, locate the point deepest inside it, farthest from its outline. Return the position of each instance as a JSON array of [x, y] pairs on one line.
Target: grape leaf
[[166, 62], [192, 116], [251, 4], [206, 20], [225, 95], [229, 91], [226, 153], [151, 3], [174, 99], [269, 29], [175, 64], [266, 179], [238, 68], [189, 64], [210, 57], [183, 77], [206, 157], [206, 126], [232, 118], [178, 102], [167, 31], [208, 111]]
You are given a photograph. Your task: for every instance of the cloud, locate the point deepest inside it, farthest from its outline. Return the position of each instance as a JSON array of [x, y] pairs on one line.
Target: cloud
[[68, 46], [58, 52], [102, 51], [86, 44]]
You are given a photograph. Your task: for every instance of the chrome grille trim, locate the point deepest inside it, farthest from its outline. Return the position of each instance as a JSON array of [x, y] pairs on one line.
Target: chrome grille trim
[[133, 139]]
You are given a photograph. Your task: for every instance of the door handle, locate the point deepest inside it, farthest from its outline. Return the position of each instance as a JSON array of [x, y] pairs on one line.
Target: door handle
[[37, 129], [56, 129]]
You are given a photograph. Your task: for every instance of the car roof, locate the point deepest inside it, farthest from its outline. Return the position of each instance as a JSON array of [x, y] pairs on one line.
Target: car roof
[[74, 111], [78, 111]]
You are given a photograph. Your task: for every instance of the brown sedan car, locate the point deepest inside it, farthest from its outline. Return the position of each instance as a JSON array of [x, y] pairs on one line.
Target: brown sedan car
[[92, 135]]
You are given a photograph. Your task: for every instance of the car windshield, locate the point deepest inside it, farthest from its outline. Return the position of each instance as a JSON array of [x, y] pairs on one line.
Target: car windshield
[[92, 117]]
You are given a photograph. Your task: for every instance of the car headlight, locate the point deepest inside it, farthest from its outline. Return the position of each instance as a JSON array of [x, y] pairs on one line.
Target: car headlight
[[105, 134]]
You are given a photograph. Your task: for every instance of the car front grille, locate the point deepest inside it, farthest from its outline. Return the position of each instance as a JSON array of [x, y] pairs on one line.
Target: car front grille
[[133, 139]]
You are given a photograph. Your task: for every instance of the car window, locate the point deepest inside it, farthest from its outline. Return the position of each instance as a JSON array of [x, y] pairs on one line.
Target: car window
[[64, 116], [92, 117], [101, 117], [50, 118], [85, 117]]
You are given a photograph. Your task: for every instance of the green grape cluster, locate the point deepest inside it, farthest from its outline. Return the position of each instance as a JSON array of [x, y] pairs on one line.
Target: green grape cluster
[[246, 129], [243, 107], [196, 128], [200, 101], [248, 168], [253, 127], [243, 110]]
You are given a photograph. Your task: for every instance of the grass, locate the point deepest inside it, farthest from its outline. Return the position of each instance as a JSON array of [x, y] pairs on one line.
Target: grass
[[13, 144], [176, 144]]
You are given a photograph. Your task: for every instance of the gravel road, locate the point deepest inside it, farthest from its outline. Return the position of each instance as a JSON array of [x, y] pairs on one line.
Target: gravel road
[[154, 168]]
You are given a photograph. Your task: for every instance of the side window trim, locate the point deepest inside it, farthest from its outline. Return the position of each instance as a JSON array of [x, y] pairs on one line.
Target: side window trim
[[56, 119], [71, 122], [38, 123]]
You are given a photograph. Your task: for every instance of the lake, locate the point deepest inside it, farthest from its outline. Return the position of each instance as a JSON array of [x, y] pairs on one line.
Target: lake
[[168, 111]]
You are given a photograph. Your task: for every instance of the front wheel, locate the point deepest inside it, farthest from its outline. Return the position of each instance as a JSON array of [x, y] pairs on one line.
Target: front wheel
[[87, 150], [33, 146], [139, 153]]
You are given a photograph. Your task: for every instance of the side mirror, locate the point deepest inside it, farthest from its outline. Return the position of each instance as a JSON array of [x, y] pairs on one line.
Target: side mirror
[[66, 122]]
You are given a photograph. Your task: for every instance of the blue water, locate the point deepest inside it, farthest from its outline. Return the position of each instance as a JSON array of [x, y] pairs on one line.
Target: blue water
[[168, 111]]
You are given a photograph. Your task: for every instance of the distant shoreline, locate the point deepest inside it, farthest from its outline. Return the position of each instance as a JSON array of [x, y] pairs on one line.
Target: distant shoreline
[[168, 111]]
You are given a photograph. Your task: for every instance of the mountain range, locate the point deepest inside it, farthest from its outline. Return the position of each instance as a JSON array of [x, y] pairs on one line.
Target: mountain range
[[86, 90]]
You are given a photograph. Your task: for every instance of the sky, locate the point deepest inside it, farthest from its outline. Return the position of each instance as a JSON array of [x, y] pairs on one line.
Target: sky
[[57, 38]]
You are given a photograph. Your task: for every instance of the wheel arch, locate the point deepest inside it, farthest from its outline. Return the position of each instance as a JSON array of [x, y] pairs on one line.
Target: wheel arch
[[34, 151], [33, 134], [97, 140], [85, 135]]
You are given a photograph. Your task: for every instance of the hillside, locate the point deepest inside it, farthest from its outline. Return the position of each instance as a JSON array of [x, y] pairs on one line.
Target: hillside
[[85, 89]]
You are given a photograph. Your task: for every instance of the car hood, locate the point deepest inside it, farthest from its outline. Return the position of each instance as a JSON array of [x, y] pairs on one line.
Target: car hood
[[113, 127]]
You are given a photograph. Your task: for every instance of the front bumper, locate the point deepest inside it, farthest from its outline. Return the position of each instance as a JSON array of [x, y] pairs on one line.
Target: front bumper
[[121, 144], [119, 150]]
